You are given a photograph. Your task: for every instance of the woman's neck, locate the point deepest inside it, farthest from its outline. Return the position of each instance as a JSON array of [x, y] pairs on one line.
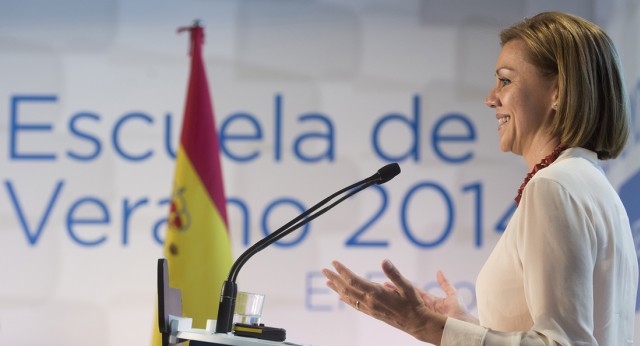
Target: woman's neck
[[539, 151], [544, 163]]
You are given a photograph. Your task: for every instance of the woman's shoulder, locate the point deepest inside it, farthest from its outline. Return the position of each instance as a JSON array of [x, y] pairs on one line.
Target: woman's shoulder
[[571, 164], [576, 171]]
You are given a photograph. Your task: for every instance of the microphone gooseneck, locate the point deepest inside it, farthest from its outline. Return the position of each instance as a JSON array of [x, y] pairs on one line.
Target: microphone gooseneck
[[229, 288]]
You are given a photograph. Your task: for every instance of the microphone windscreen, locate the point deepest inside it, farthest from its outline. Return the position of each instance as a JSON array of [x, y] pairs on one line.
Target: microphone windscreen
[[387, 172]]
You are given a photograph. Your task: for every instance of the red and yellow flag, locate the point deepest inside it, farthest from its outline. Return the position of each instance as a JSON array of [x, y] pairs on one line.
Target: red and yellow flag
[[197, 244]]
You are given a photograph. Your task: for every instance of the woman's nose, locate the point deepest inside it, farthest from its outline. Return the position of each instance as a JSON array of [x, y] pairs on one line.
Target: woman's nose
[[490, 100]]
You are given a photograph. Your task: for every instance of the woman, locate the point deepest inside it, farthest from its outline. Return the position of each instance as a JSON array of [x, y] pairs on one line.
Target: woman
[[565, 271]]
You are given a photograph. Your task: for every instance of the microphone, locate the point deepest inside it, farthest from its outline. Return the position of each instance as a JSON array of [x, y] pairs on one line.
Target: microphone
[[229, 289]]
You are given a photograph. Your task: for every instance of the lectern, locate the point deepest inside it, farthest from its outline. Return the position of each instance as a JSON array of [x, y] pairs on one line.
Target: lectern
[[176, 329]]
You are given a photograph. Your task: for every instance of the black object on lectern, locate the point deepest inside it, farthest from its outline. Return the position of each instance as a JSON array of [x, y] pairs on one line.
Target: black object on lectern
[[169, 302]]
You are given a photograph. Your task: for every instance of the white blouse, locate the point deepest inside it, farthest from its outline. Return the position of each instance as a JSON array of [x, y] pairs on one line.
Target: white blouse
[[565, 271]]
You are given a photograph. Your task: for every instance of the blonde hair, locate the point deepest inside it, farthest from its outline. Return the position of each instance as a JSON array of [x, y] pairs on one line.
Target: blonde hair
[[592, 110]]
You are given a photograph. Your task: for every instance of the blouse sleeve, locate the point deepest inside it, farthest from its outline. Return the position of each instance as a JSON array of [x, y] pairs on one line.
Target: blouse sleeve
[[556, 243]]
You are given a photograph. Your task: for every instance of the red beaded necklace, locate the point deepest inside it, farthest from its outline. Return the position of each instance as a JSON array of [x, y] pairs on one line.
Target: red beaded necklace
[[544, 163]]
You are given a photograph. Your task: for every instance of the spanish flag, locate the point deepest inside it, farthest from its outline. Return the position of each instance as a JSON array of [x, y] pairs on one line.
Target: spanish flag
[[197, 244]]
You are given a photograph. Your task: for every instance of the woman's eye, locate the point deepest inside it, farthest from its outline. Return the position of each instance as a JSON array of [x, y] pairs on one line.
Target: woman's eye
[[504, 81]]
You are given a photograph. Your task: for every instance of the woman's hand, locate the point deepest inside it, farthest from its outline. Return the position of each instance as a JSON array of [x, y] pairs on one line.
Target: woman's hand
[[399, 304], [451, 305]]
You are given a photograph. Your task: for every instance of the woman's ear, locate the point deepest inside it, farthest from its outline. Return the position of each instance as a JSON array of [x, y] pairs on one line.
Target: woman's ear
[[554, 94]]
